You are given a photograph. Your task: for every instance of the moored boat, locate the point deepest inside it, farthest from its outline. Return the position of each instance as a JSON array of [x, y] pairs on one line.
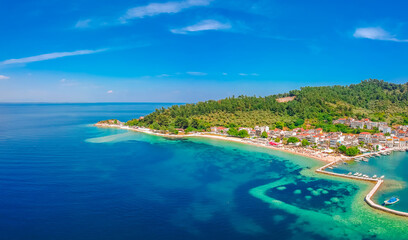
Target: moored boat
[[391, 201]]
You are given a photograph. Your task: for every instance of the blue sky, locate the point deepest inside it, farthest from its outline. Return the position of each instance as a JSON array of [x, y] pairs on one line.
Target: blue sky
[[193, 50]]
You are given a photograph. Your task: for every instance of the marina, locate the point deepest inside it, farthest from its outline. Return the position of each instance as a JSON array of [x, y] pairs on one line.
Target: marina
[[378, 180]]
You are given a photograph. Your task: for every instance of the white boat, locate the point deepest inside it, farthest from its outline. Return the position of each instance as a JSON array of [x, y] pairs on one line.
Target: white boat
[[382, 176], [374, 176]]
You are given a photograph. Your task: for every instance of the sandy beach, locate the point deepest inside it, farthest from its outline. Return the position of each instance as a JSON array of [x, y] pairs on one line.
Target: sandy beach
[[292, 150]]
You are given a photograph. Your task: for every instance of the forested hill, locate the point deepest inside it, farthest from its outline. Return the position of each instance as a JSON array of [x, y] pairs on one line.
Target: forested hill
[[375, 99]]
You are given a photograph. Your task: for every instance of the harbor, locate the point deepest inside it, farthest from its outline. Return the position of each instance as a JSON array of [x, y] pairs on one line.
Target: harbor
[[329, 168]]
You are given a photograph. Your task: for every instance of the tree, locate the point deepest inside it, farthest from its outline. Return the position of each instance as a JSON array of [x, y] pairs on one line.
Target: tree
[[305, 142], [352, 151], [387, 134], [264, 134], [181, 122], [277, 140], [280, 125], [243, 133], [195, 123], [342, 149], [293, 140], [233, 132], [299, 122], [155, 126], [377, 99], [163, 120], [190, 129]]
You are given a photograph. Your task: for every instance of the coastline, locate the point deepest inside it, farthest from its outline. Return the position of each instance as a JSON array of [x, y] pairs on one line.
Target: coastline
[[327, 159], [321, 170]]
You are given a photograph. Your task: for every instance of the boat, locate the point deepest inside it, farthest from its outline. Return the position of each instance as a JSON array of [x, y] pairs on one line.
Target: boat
[[330, 167], [365, 159], [349, 173], [355, 174], [391, 201], [374, 176], [382, 176]]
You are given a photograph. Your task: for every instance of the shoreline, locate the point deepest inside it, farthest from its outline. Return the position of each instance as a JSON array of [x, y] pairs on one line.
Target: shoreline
[[327, 159], [321, 170]]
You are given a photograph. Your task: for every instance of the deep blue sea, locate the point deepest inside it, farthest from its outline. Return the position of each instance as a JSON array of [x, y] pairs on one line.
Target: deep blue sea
[[63, 178]]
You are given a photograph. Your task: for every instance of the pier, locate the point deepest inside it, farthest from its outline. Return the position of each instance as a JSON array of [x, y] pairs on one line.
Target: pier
[[368, 197]]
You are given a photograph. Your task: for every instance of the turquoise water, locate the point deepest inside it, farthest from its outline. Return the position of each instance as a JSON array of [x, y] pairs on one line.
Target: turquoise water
[[62, 178], [393, 167]]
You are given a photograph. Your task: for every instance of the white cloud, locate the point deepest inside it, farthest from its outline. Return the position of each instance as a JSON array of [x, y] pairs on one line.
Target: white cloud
[[251, 74], [153, 9], [49, 56], [197, 73], [164, 75], [2, 77], [204, 25], [224, 74], [376, 33], [109, 92], [68, 83], [83, 23]]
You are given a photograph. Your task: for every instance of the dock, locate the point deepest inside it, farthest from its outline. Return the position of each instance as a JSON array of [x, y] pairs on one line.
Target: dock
[[367, 199]]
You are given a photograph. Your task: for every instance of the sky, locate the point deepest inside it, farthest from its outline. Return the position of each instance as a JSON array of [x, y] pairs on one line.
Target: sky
[[194, 50]]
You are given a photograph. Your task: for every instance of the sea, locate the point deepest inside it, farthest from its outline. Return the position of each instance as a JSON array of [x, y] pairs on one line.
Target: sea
[[63, 178]]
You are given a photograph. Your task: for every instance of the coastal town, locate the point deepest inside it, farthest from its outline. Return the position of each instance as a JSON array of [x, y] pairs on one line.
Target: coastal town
[[314, 142], [372, 140]]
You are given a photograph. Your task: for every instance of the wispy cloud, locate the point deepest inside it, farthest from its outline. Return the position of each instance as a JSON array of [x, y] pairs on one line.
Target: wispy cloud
[[376, 33], [205, 25], [49, 56], [196, 73], [83, 23], [153, 9], [2, 77], [248, 74], [68, 83], [109, 92], [164, 75]]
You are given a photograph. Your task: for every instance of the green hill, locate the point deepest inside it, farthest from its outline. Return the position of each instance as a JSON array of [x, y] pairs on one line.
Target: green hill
[[314, 106]]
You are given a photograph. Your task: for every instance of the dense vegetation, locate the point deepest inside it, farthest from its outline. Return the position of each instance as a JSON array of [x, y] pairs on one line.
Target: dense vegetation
[[312, 107]]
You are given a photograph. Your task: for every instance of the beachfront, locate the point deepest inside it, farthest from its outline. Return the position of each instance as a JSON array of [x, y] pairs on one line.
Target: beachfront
[[332, 159]]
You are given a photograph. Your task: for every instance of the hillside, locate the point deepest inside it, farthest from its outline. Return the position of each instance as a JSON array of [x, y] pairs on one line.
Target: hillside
[[308, 107]]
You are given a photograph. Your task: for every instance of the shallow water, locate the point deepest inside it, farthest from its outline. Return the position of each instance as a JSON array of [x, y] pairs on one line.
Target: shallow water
[[62, 178], [393, 167]]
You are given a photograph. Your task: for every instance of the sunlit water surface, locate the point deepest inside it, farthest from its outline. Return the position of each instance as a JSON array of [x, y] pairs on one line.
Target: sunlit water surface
[[62, 178]]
